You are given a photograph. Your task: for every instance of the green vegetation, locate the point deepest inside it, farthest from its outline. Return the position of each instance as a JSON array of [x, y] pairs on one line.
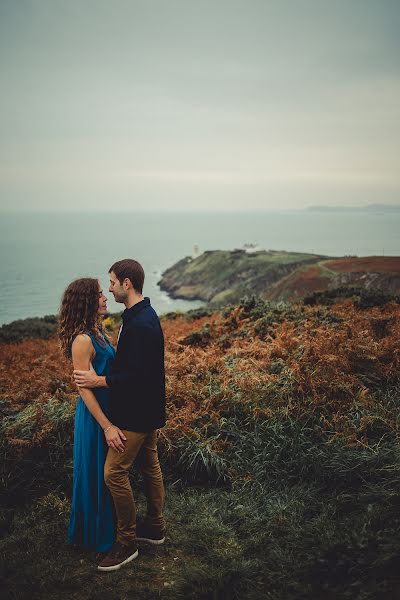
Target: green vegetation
[[281, 459], [301, 519], [222, 277], [362, 298], [36, 327], [42, 328]]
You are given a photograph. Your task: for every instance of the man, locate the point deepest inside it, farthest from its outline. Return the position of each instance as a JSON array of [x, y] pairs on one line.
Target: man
[[137, 409]]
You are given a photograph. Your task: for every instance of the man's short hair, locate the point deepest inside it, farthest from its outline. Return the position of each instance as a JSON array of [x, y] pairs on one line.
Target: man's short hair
[[128, 268]]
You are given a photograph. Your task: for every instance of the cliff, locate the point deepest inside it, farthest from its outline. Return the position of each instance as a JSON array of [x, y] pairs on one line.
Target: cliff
[[221, 277]]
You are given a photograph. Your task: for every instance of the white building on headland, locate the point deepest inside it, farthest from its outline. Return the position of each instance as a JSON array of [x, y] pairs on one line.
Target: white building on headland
[[249, 247]]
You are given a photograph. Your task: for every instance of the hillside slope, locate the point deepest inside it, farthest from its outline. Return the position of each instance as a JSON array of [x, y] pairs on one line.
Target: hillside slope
[[280, 456], [220, 277]]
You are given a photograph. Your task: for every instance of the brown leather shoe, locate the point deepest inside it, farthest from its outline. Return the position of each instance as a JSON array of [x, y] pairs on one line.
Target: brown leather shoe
[[119, 555], [147, 533]]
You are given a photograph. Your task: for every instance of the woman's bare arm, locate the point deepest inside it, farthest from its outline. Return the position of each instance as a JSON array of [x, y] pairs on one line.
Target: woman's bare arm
[[82, 355]]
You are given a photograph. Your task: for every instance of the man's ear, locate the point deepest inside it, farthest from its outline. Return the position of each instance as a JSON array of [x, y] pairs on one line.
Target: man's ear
[[127, 283]]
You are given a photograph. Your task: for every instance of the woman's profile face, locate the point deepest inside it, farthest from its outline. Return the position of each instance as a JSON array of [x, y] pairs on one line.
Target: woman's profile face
[[102, 303]]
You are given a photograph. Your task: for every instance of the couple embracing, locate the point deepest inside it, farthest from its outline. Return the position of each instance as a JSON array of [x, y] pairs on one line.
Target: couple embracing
[[120, 408]]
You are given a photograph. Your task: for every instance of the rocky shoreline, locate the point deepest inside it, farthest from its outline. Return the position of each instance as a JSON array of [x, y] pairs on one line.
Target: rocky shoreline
[[220, 277]]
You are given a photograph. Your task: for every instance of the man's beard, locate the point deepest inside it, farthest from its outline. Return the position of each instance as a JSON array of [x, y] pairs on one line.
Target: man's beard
[[120, 298]]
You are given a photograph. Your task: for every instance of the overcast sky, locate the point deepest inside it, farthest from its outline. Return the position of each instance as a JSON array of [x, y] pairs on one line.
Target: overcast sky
[[193, 104]]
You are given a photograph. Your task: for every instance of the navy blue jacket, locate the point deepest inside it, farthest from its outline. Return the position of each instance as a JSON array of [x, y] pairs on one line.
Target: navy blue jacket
[[137, 380]]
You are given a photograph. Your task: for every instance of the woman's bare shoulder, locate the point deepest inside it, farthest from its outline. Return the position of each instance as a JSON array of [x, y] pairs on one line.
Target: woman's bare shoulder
[[82, 342]]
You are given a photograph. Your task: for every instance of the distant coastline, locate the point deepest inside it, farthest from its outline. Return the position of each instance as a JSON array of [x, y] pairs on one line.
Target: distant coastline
[[367, 208], [42, 253]]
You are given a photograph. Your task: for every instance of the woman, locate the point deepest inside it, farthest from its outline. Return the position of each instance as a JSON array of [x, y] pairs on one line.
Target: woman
[[92, 520]]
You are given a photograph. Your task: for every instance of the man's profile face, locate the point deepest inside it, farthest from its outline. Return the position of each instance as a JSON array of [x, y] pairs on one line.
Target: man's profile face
[[118, 290]]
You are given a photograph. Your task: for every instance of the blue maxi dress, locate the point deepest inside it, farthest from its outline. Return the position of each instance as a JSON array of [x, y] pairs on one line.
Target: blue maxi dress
[[92, 520]]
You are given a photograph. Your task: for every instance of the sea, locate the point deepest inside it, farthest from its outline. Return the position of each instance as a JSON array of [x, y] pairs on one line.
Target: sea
[[41, 253]]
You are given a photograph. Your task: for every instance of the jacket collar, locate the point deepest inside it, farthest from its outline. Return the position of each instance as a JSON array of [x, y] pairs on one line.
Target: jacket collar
[[129, 313]]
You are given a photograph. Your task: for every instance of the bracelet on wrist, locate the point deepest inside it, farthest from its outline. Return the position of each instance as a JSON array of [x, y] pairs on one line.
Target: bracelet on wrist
[[109, 427]]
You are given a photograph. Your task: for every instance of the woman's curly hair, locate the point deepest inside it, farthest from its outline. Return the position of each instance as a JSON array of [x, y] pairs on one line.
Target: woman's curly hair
[[79, 311]]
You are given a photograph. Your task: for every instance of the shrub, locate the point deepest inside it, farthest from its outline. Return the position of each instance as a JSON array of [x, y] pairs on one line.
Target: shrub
[[35, 328]]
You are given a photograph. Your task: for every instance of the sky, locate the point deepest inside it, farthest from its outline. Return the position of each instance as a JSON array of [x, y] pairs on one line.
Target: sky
[[198, 104]]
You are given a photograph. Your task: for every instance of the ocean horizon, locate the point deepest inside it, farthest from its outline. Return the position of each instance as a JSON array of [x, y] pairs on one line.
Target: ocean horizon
[[43, 252]]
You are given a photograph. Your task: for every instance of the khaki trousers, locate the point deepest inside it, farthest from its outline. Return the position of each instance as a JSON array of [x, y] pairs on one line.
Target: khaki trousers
[[116, 476]]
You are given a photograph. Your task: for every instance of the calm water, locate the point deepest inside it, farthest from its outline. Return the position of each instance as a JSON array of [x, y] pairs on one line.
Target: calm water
[[42, 253]]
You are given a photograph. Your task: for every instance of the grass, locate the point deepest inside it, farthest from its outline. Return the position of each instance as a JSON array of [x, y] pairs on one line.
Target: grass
[[281, 460], [301, 519]]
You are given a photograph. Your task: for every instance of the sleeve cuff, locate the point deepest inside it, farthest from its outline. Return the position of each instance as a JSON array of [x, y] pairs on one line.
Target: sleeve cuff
[[109, 380]]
